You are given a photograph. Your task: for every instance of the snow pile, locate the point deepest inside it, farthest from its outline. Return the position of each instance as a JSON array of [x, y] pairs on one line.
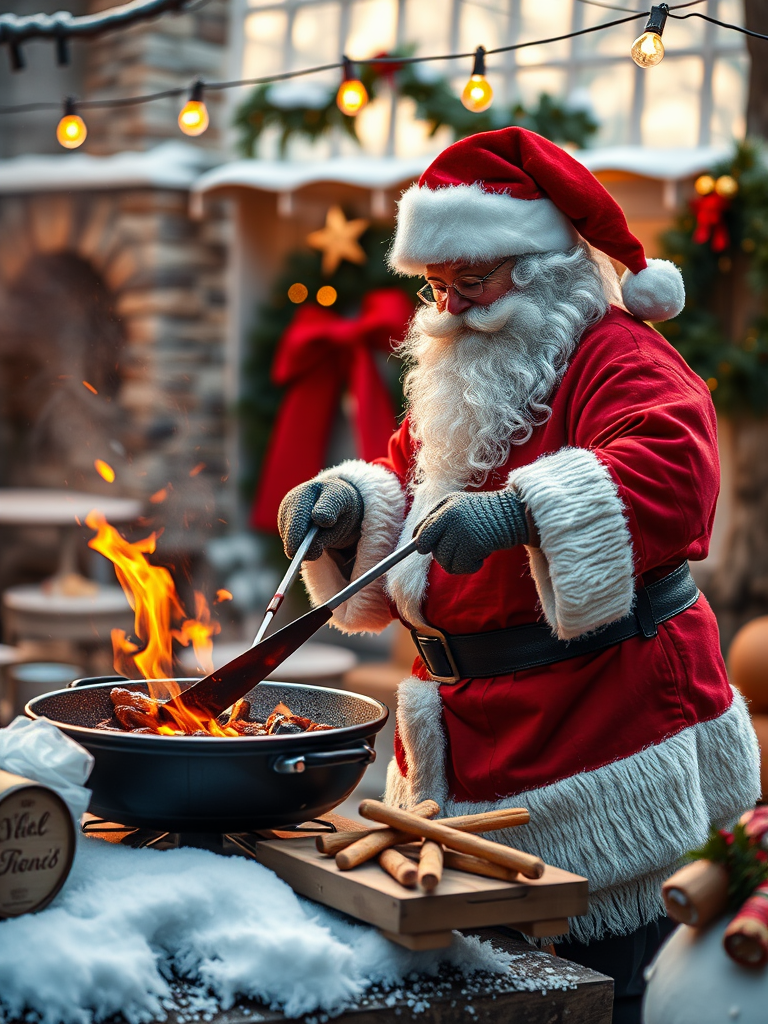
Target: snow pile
[[38, 750], [127, 920]]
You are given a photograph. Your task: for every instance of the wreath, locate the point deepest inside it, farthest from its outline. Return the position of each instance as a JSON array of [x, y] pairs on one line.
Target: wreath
[[720, 243], [311, 111], [302, 293]]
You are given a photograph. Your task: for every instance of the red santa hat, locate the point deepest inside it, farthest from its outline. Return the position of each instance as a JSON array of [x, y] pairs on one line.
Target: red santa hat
[[511, 192]]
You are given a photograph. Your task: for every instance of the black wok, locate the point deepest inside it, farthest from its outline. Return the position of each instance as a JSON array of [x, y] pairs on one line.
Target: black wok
[[220, 784]]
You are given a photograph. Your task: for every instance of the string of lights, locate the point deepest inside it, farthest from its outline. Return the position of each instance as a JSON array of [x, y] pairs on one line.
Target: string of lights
[[646, 51], [63, 26]]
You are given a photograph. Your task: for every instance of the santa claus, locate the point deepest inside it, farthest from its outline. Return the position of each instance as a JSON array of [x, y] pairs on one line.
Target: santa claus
[[560, 461]]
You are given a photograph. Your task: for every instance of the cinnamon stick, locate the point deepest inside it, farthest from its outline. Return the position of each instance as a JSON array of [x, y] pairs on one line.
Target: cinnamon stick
[[430, 865], [475, 866], [369, 846], [402, 870], [527, 864], [331, 844]]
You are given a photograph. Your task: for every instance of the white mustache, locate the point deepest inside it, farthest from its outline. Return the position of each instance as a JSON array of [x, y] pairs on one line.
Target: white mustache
[[513, 310]]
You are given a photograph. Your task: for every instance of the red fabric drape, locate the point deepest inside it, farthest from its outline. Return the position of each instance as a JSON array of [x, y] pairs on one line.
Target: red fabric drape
[[317, 356]]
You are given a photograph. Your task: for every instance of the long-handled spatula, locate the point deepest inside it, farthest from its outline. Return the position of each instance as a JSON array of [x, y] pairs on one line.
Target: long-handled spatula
[[225, 685]]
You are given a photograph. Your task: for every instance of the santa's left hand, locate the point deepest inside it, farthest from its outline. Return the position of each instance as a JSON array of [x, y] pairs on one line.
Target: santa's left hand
[[468, 526]]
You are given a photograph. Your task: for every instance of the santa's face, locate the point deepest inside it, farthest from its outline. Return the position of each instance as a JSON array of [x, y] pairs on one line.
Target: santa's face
[[458, 286], [483, 368]]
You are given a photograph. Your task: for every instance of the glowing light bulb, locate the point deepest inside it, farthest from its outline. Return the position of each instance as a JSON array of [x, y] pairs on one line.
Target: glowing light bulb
[[352, 95], [71, 130], [193, 119], [478, 94], [648, 50]]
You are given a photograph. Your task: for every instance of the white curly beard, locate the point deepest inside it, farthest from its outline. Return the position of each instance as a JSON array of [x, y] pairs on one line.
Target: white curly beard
[[480, 380]]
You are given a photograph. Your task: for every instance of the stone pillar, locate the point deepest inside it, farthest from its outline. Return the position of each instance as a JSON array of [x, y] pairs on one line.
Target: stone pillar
[[168, 52]]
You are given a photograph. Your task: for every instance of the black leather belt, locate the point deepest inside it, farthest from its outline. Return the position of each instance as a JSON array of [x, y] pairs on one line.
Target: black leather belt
[[451, 658]]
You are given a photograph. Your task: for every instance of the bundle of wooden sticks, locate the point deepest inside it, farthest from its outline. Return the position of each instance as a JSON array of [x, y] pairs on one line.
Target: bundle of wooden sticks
[[446, 842]]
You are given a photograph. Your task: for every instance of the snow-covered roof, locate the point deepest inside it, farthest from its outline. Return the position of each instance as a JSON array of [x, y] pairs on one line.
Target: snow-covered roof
[[386, 172], [665, 164], [287, 176], [169, 165]]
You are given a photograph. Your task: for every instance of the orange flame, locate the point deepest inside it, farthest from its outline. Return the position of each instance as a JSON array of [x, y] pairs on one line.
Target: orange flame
[[159, 618], [105, 471], [223, 595]]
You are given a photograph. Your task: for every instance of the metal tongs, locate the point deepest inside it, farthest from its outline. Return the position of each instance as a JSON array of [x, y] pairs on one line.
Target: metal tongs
[[219, 690], [285, 584]]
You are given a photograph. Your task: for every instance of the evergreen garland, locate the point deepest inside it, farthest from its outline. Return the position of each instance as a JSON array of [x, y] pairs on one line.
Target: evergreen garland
[[735, 368], [436, 103], [262, 398]]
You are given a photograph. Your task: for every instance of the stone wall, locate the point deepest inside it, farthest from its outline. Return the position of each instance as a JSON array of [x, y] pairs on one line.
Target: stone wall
[[166, 53], [165, 424]]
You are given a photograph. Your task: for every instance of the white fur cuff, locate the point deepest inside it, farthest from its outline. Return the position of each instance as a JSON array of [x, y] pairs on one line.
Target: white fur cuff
[[384, 505], [583, 570]]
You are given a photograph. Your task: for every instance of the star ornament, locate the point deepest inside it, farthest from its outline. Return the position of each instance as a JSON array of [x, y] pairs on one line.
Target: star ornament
[[338, 240]]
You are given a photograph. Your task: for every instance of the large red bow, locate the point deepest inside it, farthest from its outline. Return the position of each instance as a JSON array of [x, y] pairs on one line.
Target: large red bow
[[318, 355], [709, 211]]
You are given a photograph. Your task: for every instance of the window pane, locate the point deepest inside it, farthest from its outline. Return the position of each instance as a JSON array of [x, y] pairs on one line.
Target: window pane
[[672, 99], [729, 93], [264, 34], [609, 88]]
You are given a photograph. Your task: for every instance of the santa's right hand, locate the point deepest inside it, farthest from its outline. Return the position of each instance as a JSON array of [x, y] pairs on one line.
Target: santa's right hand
[[333, 504]]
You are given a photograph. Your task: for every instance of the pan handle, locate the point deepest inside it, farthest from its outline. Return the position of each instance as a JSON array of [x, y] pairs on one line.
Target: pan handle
[[94, 680], [285, 765]]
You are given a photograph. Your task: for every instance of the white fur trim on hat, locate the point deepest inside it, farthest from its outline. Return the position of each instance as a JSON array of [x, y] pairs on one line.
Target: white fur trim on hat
[[464, 222], [656, 293]]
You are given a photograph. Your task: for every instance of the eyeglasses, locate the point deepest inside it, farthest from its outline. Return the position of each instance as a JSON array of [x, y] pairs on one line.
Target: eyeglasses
[[465, 288]]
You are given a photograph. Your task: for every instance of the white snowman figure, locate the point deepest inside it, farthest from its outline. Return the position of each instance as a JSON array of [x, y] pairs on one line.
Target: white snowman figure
[[693, 981]]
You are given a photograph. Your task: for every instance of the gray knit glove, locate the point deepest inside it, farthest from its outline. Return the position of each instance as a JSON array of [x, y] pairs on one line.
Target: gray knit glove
[[333, 504], [467, 526]]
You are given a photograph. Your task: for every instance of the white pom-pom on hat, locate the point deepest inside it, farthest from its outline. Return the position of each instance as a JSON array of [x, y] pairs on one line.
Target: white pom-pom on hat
[[655, 293]]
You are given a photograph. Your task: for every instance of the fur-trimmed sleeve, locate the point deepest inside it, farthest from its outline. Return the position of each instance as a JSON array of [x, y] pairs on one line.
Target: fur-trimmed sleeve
[[584, 568], [384, 512]]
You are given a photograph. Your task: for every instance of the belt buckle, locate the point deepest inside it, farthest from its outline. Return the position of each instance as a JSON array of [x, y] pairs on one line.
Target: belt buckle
[[433, 647]]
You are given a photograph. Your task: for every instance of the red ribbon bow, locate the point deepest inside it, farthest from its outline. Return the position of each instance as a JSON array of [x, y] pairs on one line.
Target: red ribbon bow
[[317, 356], [709, 211]]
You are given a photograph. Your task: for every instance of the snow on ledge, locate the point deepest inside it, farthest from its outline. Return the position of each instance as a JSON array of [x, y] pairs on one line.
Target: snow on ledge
[[284, 176], [170, 165]]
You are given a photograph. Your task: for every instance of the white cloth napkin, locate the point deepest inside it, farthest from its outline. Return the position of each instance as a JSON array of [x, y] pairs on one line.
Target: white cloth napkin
[[37, 750]]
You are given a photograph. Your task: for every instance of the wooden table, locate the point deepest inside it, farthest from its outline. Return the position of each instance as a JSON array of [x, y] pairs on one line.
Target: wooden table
[[451, 998]]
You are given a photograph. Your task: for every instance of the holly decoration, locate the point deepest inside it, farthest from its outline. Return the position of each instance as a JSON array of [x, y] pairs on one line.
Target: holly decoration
[[436, 103], [720, 243], [303, 278]]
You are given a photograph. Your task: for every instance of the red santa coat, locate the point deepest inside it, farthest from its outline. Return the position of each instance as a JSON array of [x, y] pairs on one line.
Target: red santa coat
[[626, 756]]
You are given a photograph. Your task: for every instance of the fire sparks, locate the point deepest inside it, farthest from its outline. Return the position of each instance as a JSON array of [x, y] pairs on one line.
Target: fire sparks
[[159, 618], [104, 470], [197, 469], [159, 496], [90, 387], [223, 595]]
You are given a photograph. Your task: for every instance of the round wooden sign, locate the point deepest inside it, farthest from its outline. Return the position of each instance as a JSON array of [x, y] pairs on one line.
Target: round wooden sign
[[37, 845]]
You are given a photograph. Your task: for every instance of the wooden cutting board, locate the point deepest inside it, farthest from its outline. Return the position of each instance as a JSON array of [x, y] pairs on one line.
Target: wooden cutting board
[[420, 921]]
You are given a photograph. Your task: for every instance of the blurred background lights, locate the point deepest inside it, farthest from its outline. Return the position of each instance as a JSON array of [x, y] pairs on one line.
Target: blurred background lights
[[326, 296], [298, 292]]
